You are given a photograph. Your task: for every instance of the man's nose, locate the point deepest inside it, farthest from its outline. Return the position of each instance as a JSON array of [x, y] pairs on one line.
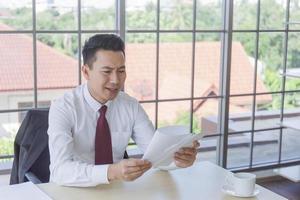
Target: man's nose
[[114, 78]]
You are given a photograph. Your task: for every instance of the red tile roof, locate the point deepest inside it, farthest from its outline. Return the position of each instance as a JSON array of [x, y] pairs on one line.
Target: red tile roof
[[56, 70], [175, 71]]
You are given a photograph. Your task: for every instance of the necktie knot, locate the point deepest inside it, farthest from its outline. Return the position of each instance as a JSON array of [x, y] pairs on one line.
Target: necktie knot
[[103, 110]]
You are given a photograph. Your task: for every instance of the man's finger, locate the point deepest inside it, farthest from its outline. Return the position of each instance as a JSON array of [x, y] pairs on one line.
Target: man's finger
[[184, 157], [129, 170], [136, 174], [132, 162], [133, 176], [183, 161], [196, 144], [187, 150]]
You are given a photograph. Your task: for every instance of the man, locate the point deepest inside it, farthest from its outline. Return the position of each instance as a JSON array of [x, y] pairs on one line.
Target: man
[[89, 127]]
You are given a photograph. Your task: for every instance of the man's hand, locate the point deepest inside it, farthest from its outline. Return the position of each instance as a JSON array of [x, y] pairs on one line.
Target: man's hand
[[128, 169], [186, 156]]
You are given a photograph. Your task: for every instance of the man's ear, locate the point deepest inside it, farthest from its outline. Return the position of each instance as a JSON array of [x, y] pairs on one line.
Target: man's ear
[[85, 71]]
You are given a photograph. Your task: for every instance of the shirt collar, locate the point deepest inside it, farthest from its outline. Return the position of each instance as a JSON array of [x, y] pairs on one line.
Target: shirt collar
[[93, 103]]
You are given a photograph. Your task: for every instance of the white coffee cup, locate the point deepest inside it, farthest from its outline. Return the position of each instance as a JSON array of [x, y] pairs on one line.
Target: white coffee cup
[[243, 184]]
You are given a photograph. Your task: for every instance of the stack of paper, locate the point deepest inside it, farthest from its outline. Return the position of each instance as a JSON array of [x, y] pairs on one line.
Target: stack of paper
[[166, 141], [24, 191]]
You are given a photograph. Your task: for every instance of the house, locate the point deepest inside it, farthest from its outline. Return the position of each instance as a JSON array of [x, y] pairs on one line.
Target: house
[[57, 72]]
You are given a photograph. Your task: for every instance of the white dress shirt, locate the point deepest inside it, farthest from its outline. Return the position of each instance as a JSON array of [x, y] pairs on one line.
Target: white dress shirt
[[72, 128]]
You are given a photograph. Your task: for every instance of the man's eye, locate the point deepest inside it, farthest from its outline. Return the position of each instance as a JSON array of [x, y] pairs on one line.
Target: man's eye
[[121, 71], [107, 72]]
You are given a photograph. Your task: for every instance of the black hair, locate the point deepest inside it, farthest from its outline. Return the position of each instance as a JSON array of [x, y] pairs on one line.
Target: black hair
[[101, 42]]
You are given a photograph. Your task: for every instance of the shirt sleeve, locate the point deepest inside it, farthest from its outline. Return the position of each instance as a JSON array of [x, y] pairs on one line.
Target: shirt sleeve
[[143, 129], [63, 169]]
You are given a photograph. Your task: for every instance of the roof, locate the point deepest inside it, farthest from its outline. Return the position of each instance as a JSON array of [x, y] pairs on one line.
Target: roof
[[54, 69], [57, 70], [175, 67]]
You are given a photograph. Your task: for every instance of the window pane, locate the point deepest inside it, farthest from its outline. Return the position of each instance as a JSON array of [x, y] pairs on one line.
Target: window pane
[[176, 14], [295, 14], [209, 14], [60, 15], [242, 64], [16, 70], [238, 154], [9, 125], [265, 148], [150, 110], [290, 143], [293, 56], [57, 64], [240, 112], [141, 14], [291, 104], [174, 113], [206, 113], [16, 15], [272, 14], [270, 62], [208, 150], [98, 15], [175, 60], [207, 65], [267, 113], [141, 65], [244, 14], [290, 138]]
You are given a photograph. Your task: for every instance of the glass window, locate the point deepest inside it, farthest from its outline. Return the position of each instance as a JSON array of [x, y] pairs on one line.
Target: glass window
[[176, 64]]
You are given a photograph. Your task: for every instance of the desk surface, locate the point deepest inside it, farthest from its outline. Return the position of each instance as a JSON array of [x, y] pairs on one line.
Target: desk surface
[[204, 180]]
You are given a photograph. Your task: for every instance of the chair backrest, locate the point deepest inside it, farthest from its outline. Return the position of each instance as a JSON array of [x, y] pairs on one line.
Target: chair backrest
[[31, 148]]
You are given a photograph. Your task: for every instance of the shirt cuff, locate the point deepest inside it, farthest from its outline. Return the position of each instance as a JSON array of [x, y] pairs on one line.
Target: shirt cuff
[[99, 174]]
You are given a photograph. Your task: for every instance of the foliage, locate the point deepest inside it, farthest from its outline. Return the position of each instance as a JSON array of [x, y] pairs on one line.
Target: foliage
[[6, 146]]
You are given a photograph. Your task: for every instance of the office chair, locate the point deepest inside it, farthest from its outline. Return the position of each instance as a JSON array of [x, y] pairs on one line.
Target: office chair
[[31, 158]]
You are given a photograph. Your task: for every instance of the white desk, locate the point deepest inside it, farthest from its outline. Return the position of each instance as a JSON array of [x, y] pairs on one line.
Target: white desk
[[202, 181]]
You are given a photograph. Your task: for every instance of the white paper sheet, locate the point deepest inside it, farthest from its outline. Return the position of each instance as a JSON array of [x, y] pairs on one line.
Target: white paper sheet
[[166, 141], [23, 191]]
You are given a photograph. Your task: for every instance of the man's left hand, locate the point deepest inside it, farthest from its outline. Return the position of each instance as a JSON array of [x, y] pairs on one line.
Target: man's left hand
[[186, 156]]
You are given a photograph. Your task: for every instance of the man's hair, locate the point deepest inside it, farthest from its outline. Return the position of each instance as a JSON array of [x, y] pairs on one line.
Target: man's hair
[[97, 42]]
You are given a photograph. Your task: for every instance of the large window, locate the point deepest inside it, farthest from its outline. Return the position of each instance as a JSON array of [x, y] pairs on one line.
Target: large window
[[216, 66]]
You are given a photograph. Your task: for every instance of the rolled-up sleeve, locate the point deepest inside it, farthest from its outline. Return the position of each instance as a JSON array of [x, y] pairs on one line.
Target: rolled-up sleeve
[[64, 170]]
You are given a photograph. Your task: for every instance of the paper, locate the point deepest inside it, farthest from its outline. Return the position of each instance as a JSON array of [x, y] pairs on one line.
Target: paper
[[166, 141], [24, 191]]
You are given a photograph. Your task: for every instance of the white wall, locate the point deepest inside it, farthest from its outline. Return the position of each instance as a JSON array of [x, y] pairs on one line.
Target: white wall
[[10, 100]]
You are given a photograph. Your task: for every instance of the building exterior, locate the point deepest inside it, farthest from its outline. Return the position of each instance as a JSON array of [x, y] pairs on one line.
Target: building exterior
[[57, 73]]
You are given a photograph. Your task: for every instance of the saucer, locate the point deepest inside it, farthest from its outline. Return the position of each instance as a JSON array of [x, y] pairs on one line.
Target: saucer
[[229, 190]]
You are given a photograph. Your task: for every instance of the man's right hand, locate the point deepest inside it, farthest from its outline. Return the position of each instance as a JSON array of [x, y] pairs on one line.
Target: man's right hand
[[128, 169]]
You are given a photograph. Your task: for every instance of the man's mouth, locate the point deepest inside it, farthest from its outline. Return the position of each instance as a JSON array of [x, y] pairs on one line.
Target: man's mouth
[[112, 89]]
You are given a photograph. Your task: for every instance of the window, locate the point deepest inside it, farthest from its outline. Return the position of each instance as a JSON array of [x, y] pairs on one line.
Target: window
[[189, 62], [28, 105]]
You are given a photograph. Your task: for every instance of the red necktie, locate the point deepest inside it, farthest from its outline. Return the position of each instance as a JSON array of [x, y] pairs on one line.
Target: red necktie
[[103, 149]]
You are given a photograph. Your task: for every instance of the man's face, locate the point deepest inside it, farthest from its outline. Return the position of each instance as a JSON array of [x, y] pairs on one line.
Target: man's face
[[107, 75]]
